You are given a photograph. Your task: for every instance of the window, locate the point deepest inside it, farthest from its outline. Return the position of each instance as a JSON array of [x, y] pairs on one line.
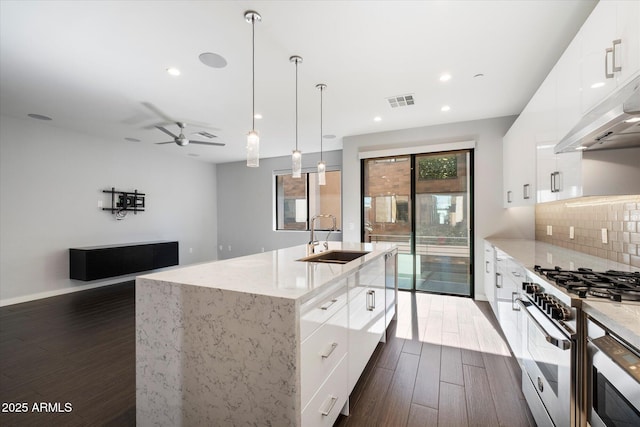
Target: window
[[299, 199]]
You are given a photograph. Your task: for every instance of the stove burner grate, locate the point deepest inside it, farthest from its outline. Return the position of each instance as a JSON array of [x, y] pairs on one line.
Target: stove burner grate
[[615, 285]]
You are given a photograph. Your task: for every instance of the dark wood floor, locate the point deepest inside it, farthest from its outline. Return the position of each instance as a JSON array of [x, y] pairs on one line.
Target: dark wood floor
[[77, 348], [444, 364]]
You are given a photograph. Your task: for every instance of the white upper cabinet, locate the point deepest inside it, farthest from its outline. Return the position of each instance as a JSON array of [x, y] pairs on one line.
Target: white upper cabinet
[[610, 49], [607, 45], [628, 30]]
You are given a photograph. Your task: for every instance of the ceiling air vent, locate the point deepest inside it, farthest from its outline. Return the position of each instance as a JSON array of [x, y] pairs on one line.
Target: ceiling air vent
[[207, 134], [401, 101]]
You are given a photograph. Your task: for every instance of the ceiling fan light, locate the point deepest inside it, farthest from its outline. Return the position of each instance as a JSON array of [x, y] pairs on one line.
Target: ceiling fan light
[[253, 149]]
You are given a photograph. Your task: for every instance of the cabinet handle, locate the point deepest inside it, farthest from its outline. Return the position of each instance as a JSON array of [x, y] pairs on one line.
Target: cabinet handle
[[332, 402], [486, 267], [509, 199], [555, 186], [514, 305], [526, 191], [371, 296], [613, 55], [333, 347], [515, 273], [498, 280], [607, 74], [329, 304]]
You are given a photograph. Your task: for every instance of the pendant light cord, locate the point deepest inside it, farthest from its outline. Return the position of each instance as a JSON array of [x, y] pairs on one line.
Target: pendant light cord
[[296, 104], [321, 89], [253, 73]]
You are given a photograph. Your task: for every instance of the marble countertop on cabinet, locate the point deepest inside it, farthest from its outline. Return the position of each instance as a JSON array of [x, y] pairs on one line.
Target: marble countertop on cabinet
[[622, 318], [275, 273]]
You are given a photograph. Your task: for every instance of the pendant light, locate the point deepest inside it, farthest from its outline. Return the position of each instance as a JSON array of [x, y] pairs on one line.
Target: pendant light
[[322, 167], [296, 157], [253, 139]]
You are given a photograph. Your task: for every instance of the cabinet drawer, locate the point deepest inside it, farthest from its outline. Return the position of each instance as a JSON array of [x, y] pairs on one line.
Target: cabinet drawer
[[321, 352], [319, 309], [324, 407]]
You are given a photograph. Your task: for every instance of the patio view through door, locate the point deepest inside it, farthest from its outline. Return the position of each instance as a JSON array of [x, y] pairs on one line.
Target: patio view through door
[[423, 203]]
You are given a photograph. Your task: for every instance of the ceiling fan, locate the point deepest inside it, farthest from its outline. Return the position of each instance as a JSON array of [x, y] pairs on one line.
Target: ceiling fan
[[182, 140]]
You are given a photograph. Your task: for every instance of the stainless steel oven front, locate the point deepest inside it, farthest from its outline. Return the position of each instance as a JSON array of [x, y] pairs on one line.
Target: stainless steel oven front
[[613, 380], [548, 358]]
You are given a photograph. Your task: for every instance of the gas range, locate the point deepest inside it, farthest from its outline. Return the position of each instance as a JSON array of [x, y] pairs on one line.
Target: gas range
[[585, 283]]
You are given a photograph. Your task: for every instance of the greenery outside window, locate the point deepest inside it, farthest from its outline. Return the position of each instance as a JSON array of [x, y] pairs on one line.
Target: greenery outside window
[[299, 199]]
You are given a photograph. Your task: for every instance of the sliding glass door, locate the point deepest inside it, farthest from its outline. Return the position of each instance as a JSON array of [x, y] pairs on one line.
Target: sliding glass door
[[423, 204]]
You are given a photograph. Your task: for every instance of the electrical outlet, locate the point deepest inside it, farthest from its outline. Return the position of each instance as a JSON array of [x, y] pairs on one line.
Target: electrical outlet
[[604, 236], [99, 203], [190, 250], [572, 234], [220, 247], [549, 230], [572, 266], [261, 249], [549, 258], [229, 248]]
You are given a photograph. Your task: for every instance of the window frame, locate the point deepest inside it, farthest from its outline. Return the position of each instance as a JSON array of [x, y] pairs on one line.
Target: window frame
[[305, 171]]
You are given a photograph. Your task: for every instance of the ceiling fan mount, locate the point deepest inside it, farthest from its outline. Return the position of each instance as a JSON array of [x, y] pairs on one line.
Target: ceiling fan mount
[[182, 140]]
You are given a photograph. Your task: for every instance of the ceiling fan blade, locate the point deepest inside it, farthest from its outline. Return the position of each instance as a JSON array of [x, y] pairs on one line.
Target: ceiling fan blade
[[220, 144], [166, 131], [158, 112], [168, 142]]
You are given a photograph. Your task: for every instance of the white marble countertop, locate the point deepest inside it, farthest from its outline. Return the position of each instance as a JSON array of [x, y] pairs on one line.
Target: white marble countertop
[[622, 318], [532, 252], [275, 273]]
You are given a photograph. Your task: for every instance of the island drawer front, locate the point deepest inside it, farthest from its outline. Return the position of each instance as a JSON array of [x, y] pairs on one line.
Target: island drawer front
[[319, 309], [321, 352], [325, 406]]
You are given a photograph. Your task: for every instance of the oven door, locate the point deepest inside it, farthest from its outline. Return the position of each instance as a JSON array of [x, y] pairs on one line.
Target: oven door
[[614, 396], [547, 363]]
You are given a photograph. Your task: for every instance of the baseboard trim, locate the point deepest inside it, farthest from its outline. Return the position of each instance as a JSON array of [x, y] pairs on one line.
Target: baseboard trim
[[63, 291]]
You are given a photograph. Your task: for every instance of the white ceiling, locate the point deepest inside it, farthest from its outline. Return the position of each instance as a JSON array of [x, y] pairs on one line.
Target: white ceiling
[[91, 65]]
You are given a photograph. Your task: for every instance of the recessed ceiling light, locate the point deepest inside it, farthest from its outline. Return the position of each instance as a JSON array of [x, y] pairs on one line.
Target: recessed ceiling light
[[445, 77], [132, 139], [445, 108], [173, 71], [39, 116], [213, 60], [329, 136], [377, 118], [597, 85], [633, 120], [257, 116]]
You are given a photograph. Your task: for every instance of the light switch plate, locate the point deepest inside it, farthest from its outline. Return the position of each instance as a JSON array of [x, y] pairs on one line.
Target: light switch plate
[[571, 232], [549, 230], [604, 236]]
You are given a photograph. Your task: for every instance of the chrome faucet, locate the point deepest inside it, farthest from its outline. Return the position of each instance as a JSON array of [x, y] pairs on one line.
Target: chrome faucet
[[313, 243]]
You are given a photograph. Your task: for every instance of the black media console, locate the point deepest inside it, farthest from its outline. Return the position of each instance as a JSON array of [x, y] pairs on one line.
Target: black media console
[[100, 262]]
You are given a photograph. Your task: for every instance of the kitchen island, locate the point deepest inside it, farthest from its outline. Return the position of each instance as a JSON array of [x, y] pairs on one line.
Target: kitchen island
[[261, 339]]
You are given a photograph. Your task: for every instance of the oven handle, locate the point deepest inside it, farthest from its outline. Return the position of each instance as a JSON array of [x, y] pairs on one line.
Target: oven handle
[[561, 344]]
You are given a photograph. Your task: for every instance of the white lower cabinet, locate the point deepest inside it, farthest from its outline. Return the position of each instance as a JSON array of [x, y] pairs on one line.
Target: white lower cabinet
[[340, 329], [321, 353], [509, 278], [366, 317], [324, 407]]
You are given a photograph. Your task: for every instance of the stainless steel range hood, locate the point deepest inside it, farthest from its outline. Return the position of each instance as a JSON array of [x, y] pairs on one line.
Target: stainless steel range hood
[[614, 123]]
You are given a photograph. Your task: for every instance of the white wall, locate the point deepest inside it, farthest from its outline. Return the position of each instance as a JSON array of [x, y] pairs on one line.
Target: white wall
[[491, 219], [246, 205], [50, 183]]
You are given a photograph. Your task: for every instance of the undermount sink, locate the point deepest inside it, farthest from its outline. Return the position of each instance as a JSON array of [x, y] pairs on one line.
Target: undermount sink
[[335, 256]]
